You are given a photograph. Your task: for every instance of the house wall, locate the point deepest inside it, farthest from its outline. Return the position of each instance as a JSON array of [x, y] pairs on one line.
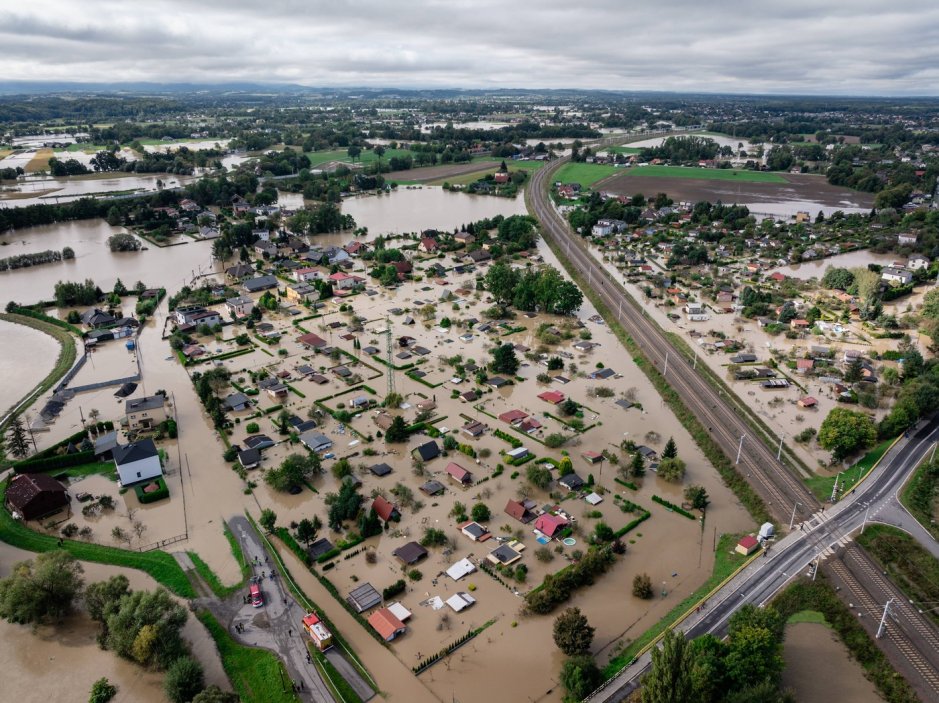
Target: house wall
[[139, 419], [141, 470]]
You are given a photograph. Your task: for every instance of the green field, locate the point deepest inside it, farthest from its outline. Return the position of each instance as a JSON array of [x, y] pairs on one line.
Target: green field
[[628, 150], [585, 174], [366, 157], [705, 174]]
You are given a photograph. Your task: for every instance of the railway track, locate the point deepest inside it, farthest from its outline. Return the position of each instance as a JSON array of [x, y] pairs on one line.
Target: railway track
[[895, 632], [769, 476]]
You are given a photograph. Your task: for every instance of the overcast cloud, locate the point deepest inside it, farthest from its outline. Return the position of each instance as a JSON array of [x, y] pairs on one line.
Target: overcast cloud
[[858, 47]]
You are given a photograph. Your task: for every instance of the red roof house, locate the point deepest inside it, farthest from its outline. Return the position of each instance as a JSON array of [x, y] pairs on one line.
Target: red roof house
[[550, 525], [747, 545], [385, 510], [312, 341], [386, 624], [513, 416], [459, 474], [518, 510], [553, 397], [429, 245]]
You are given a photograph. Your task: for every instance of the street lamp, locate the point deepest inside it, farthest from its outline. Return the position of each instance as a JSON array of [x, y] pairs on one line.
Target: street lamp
[[793, 518]]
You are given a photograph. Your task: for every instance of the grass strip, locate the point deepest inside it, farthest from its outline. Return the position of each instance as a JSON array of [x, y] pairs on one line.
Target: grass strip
[[158, 564], [726, 562], [822, 486], [919, 496], [211, 578], [909, 565], [821, 597], [257, 675], [340, 687]]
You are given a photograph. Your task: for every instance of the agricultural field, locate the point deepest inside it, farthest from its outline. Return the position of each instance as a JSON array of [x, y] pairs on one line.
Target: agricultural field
[[585, 174], [707, 174]]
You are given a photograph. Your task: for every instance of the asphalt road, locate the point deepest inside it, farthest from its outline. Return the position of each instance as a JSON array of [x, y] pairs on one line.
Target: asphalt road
[[910, 641]]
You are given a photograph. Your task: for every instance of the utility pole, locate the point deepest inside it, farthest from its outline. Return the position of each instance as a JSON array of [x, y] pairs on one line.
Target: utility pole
[[883, 619], [834, 489], [779, 451], [665, 371], [793, 518], [740, 449], [815, 570], [389, 357]]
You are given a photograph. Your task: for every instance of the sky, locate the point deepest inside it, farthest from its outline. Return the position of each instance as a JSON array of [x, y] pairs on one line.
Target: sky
[[845, 47]]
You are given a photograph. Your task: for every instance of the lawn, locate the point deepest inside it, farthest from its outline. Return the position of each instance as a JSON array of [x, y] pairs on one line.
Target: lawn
[[105, 468], [726, 562], [821, 485], [158, 564], [812, 616], [919, 496], [908, 564], [366, 157], [706, 174], [257, 675], [585, 174], [628, 150]]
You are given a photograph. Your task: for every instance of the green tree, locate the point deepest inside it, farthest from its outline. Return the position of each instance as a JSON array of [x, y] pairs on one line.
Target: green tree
[[637, 466], [837, 278], [708, 673], [501, 281], [669, 680], [565, 466], [504, 360], [846, 431], [213, 694], [670, 451], [397, 431], [293, 471], [354, 152], [268, 519], [754, 655], [306, 530], [672, 470], [697, 496], [572, 633], [580, 677], [41, 590], [539, 476], [17, 440], [102, 691], [569, 407], [855, 371], [184, 680], [480, 512], [146, 627], [102, 598]]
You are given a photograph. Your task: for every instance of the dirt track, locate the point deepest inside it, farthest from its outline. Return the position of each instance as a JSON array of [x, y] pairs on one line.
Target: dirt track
[[434, 173], [812, 190]]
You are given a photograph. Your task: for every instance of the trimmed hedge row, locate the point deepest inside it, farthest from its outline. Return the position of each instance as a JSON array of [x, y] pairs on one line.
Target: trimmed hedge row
[[152, 497], [675, 508], [63, 461]]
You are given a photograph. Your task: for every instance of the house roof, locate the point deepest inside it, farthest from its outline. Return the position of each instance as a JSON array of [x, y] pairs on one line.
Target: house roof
[[428, 450], [460, 601], [380, 469], [260, 283], [386, 623], [462, 568], [133, 405], [410, 553], [432, 488], [25, 488], [550, 524], [311, 339], [571, 481], [135, 451], [458, 472], [383, 508], [475, 530], [553, 397], [517, 510], [364, 597], [748, 542], [512, 416]]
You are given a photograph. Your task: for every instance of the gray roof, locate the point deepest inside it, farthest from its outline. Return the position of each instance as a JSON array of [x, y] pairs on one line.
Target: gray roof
[[260, 283], [380, 469], [410, 553], [106, 442], [127, 453], [364, 597], [148, 402]]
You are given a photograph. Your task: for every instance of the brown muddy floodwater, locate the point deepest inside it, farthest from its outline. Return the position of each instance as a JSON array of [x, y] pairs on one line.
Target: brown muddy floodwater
[[60, 662], [820, 669], [26, 356], [47, 190], [428, 207], [852, 259], [158, 266]]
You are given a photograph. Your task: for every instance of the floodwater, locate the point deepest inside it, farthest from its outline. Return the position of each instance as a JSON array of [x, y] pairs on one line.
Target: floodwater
[[26, 356], [721, 139], [820, 669], [427, 207], [158, 266], [60, 663], [852, 259], [48, 190]]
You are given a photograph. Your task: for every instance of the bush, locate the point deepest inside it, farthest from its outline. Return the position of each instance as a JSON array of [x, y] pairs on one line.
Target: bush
[[252, 428], [642, 586], [555, 440], [415, 575], [394, 589], [672, 470], [102, 691], [160, 493], [481, 512], [184, 680]]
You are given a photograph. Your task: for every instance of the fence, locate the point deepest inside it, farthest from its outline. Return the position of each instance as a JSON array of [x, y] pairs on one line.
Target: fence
[[163, 543]]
